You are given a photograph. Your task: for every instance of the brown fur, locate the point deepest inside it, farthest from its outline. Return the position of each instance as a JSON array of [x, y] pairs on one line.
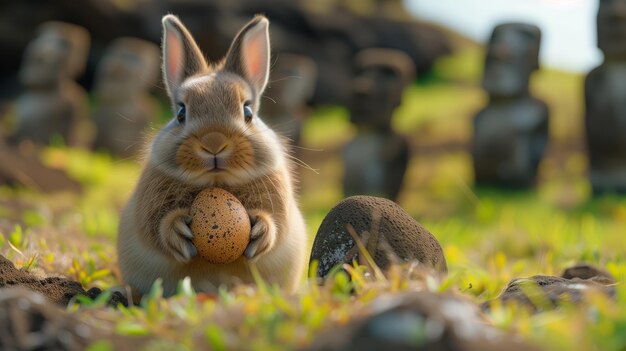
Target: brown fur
[[214, 145]]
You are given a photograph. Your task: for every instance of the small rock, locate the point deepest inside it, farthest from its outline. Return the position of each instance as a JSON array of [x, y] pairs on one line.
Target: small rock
[[587, 271], [388, 232], [541, 292]]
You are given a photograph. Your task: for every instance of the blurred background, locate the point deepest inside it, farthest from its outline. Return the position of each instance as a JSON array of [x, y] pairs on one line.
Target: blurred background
[[318, 43], [499, 125], [569, 26]]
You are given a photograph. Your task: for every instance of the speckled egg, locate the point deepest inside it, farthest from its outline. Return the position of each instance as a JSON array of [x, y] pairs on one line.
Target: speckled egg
[[220, 225]]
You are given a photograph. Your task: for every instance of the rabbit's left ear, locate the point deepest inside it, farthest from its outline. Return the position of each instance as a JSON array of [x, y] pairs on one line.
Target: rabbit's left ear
[[249, 54], [181, 56]]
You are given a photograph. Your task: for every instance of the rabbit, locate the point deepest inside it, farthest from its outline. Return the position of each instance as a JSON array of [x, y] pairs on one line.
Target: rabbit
[[215, 139]]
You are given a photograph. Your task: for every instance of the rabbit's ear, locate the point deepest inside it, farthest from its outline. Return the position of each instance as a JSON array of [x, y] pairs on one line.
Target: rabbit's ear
[[181, 55], [249, 54]]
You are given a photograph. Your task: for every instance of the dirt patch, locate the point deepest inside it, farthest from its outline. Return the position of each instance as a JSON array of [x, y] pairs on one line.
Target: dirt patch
[[29, 322], [56, 289], [22, 169]]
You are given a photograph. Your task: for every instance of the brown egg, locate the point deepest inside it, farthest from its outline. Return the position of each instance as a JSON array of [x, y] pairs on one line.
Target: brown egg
[[220, 225]]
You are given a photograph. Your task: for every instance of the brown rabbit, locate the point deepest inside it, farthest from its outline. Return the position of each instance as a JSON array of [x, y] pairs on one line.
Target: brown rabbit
[[215, 139]]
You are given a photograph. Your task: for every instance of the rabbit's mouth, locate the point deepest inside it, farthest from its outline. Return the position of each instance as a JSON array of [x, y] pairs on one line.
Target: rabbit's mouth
[[216, 164], [216, 170]]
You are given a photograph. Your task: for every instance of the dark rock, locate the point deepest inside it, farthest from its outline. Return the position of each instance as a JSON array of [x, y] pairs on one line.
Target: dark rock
[[376, 159], [56, 289], [511, 133], [418, 321], [387, 231]]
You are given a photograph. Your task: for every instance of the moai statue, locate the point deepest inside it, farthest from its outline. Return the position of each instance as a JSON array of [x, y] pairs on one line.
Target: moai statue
[[511, 133], [52, 103], [291, 85], [376, 159], [129, 68], [605, 99]]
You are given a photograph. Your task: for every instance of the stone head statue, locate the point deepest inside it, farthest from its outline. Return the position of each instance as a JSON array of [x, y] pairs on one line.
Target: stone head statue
[[292, 84], [59, 51], [512, 56], [379, 81], [52, 104], [128, 69], [612, 29]]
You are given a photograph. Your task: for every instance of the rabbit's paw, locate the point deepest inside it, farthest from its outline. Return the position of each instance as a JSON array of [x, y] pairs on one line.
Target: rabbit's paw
[[176, 236], [262, 235]]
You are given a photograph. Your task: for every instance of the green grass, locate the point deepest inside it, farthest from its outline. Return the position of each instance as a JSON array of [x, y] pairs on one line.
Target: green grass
[[489, 236]]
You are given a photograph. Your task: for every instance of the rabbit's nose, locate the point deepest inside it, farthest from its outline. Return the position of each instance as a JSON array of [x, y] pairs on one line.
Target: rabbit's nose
[[214, 142]]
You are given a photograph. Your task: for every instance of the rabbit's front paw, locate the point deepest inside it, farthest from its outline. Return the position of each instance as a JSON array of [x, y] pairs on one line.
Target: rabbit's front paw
[[176, 236], [262, 234]]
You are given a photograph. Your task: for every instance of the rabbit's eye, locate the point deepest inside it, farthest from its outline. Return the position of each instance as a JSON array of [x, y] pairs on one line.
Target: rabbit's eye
[[247, 111], [181, 114]]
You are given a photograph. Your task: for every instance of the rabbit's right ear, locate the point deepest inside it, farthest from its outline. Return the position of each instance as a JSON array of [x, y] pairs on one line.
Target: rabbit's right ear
[[181, 56], [249, 53]]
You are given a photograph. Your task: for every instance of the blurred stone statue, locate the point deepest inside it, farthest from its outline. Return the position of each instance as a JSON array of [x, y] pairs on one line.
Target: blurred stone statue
[[52, 103], [605, 99], [511, 133], [376, 159], [127, 71], [291, 85]]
